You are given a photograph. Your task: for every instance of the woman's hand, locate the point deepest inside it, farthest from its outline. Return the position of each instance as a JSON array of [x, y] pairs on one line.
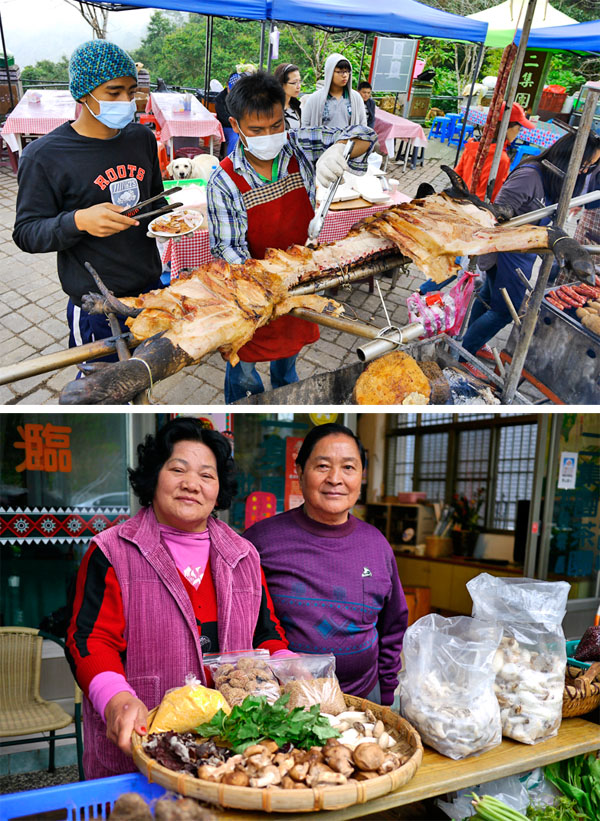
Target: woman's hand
[[125, 713], [103, 220]]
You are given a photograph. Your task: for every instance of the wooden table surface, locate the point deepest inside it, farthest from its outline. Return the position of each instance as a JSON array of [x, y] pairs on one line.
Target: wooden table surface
[[438, 775]]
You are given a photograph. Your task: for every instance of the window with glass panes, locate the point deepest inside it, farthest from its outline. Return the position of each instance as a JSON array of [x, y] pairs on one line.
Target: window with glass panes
[[444, 454]]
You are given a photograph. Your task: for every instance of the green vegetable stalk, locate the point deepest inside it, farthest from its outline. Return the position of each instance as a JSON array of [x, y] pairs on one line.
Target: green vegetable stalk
[[255, 720], [489, 808]]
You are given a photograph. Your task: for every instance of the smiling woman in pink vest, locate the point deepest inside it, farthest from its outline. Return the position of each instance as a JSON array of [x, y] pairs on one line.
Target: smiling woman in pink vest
[[157, 591]]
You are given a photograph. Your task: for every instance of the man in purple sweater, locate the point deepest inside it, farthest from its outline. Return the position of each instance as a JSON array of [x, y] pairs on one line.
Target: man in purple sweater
[[333, 578]]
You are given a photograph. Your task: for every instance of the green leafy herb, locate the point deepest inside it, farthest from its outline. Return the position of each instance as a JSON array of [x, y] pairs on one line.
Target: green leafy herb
[[255, 720], [578, 778], [563, 809]]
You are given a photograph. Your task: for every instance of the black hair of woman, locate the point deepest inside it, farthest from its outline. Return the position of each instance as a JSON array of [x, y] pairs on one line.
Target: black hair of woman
[[282, 74], [156, 450], [559, 155], [320, 432], [255, 94], [344, 64]]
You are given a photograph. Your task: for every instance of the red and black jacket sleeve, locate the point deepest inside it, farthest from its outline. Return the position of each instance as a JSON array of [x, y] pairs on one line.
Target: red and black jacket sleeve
[[96, 634]]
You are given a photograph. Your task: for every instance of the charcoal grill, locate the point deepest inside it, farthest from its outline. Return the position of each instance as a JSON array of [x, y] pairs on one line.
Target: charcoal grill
[[563, 355], [335, 387]]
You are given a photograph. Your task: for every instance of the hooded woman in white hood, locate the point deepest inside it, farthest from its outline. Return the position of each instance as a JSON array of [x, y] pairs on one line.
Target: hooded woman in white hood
[[318, 107]]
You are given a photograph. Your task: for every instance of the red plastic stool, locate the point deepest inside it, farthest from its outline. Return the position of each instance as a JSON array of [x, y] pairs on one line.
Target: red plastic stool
[[163, 157], [146, 119]]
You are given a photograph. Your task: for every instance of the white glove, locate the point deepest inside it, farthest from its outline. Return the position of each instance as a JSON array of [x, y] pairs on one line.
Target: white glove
[[331, 164]]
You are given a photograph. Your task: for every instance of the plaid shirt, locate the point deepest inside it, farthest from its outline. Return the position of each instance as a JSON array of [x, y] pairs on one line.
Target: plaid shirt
[[227, 218]]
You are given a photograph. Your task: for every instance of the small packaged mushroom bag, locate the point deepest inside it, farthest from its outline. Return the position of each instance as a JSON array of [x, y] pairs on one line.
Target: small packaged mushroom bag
[[530, 662], [447, 686], [310, 679], [243, 673]]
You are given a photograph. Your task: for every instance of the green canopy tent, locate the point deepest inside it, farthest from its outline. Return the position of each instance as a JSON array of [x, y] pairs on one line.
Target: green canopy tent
[[504, 18]]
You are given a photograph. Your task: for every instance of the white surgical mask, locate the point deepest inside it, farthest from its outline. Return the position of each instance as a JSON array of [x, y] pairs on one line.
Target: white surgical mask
[[266, 147], [114, 113]]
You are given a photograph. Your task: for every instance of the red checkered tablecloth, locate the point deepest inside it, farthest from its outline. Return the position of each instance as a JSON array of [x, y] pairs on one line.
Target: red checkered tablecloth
[[28, 117], [544, 137], [194, 249], [173, 122]]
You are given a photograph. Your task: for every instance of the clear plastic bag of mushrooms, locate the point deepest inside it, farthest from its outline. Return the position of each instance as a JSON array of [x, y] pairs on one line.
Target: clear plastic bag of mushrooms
[[447, 686], [530, 662]]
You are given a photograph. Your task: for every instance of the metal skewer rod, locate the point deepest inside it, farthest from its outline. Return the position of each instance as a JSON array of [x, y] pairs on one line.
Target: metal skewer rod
[[335, 280], [533, 216], [62, 359]]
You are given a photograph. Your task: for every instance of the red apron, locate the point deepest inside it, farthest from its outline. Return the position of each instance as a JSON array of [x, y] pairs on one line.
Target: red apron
[[278, 216]]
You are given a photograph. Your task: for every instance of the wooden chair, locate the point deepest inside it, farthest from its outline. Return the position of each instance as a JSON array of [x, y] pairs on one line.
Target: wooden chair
[[23, 711]]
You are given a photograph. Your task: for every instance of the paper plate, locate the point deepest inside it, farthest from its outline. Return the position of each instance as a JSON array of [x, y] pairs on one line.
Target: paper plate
[[181, 216]]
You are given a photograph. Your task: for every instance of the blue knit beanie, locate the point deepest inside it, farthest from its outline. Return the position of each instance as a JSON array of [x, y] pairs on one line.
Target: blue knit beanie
[[96, 62]]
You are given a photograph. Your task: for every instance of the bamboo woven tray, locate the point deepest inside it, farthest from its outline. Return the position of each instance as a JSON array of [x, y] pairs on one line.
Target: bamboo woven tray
[[582, 691], [273, 799]]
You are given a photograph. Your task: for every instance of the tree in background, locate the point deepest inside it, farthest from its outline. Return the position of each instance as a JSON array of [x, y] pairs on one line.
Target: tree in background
[[45, 71], [174, 48], [96, 17]]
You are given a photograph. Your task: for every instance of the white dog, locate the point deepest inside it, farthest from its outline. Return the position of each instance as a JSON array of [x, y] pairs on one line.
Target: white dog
[[200, 167], [180, 169]]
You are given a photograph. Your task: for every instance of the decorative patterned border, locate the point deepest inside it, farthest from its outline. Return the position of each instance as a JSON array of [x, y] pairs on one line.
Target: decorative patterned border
[[61, 525]]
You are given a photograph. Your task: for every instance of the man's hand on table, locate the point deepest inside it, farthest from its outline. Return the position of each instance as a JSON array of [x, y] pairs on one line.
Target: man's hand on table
[[103, 220], [125, 713]]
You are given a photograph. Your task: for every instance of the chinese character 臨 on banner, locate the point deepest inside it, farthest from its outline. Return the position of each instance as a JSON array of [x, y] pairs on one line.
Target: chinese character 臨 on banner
[[46, 448]]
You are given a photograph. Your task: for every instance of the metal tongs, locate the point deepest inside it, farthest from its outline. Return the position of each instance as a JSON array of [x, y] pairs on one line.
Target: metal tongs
[[141, 204], [315, 226]]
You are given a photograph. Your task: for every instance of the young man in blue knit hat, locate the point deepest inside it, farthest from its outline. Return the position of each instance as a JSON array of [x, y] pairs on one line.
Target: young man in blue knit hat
[[75, 181]]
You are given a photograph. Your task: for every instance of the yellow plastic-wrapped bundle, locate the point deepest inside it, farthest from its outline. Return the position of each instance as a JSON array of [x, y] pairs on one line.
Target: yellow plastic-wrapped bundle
[[186, 707]]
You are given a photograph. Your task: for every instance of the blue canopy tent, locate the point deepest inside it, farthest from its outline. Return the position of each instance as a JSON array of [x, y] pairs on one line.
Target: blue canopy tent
[[244, 9], [389, 16], [578, 37]]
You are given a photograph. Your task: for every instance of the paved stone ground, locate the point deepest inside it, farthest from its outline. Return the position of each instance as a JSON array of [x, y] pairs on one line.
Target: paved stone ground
[[33, 310]]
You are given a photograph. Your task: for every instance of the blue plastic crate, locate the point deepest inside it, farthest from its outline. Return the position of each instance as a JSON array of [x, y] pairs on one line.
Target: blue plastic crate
[[83, 800], [571, 647]]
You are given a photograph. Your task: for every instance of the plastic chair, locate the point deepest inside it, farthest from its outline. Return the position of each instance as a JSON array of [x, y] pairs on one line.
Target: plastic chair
[[23, 711], [450, 125], [438, 128], [259, 505], [455, 136], [522, 150]]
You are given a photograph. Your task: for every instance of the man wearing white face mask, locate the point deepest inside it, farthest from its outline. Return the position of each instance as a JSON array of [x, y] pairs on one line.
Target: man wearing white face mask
[[263, 196], [75, 182]]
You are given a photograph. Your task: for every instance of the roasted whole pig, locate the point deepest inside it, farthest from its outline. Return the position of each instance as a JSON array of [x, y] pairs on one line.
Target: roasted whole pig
[[219, 306]]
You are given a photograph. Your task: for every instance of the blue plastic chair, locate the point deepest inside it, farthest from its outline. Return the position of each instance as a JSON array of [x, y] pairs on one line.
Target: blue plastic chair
[[438, 128], [452, 118], [455, 137], [522, 150]]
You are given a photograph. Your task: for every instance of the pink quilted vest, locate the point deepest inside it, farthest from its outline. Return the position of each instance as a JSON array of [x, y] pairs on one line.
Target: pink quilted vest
[[163, 643]]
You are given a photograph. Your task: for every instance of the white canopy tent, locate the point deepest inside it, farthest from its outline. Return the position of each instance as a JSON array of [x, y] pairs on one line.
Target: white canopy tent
[[503, 19]]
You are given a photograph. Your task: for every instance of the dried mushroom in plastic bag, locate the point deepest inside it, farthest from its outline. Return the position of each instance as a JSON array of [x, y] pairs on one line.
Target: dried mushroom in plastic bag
[[239, 675]]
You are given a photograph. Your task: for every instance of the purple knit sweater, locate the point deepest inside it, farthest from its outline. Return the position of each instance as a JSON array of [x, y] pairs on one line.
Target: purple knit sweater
[[336, 590]]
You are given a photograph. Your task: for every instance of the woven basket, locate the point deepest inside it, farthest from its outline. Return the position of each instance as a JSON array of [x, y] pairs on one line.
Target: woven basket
[[273, 799], [582, 691]]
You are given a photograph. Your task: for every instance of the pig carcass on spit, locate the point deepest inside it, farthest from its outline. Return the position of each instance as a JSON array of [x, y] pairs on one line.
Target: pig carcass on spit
[[219, 306]]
